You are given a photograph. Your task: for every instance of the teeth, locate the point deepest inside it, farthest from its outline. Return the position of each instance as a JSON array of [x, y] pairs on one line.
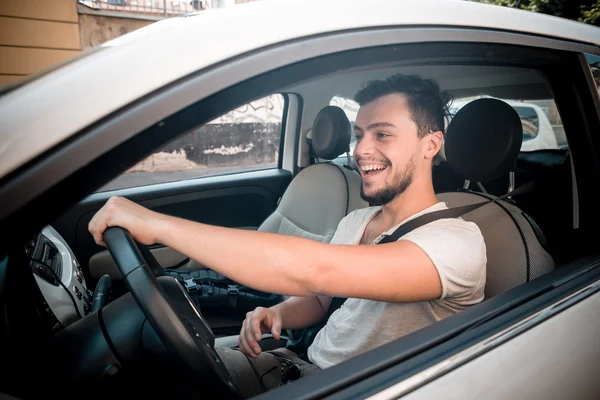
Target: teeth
[[372, 167]]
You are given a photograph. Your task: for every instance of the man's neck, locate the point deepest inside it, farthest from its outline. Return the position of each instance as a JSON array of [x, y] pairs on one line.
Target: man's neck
[[416, 198]]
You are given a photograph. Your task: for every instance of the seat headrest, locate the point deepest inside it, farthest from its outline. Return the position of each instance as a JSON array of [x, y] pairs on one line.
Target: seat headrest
[[483, 140], [331, 133]]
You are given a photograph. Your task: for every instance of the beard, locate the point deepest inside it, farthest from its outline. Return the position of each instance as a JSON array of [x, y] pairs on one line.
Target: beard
[[389, 192]]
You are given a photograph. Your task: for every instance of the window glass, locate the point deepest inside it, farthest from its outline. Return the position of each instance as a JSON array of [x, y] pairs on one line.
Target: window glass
[[530, 121], [594, 63], [243, 139], [542, 126], [350, 107]]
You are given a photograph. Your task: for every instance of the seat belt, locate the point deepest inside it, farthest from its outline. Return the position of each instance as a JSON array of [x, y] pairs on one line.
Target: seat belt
[[450, 213]]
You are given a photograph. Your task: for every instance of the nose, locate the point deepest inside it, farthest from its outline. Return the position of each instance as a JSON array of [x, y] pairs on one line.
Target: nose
[[364, 147]]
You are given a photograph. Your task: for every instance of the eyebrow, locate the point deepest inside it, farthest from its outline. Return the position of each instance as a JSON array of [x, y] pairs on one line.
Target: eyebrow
[[375, 125]]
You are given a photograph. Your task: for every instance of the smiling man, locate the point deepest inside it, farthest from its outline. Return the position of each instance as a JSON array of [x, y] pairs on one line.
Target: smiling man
[[393, 289]]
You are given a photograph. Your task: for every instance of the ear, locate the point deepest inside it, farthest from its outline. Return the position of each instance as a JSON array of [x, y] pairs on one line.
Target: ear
[[432, 143]]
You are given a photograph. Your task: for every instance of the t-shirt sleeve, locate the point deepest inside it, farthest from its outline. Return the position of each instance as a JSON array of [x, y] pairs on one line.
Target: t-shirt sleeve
[[339, 232], [349, 225], [457, 249]]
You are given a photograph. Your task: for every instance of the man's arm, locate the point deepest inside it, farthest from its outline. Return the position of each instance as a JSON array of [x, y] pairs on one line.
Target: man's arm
[[302, 312], [288, 265], [294, 313]]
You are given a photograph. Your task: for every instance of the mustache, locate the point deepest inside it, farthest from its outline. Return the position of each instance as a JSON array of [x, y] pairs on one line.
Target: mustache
[[374, 160]]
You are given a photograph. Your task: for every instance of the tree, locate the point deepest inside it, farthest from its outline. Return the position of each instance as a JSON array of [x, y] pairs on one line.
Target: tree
[[587, 11], [591, 15]]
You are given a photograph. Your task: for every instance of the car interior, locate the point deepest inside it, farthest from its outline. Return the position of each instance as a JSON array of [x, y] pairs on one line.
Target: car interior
[[316, 183]]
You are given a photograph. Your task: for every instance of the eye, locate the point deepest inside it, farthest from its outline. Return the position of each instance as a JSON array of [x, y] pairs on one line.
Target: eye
[[382, 135], [358, 137]]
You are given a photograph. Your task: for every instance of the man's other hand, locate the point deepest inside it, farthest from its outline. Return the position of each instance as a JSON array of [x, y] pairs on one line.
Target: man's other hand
[[118, 211], [257, 322]]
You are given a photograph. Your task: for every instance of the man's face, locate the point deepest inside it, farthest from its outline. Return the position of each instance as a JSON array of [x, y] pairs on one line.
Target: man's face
[[387, 150]]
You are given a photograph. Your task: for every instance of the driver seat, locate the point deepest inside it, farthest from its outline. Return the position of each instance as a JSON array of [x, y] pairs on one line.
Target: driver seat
[[324, 192], [319, 196]]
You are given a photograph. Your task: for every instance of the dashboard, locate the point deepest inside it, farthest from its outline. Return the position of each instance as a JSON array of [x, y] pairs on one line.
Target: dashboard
[[59, 277]]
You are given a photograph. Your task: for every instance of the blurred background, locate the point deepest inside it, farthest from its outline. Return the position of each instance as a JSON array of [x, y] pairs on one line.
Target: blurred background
[[36, 34]]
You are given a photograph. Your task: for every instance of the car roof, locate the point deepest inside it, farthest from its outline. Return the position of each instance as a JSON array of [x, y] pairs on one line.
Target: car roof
[[53, 107]]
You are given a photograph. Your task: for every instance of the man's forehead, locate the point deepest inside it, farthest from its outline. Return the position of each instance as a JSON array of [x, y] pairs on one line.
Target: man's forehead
[[385, 108]]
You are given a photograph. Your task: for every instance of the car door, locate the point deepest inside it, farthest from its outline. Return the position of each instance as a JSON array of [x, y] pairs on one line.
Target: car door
[[226, 172]]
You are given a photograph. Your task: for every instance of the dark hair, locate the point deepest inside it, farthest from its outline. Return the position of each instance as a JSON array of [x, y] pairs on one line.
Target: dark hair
[[426, 104]]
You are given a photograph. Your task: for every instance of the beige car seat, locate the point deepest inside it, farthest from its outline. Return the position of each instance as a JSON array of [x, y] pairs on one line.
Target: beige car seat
[[482, 143]]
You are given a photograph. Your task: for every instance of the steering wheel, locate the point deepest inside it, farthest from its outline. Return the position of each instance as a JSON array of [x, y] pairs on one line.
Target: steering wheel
[[167, 306]]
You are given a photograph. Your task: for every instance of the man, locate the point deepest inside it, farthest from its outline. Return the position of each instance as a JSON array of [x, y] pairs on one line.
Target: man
[[392, 289]]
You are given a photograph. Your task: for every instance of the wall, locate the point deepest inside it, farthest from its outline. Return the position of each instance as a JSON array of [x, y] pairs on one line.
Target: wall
[[247, 135], [96, 29], [36, 34], [218, 145], [222, 3]]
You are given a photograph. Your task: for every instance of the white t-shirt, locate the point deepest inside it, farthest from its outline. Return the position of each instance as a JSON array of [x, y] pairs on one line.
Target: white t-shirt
[[456, 248]]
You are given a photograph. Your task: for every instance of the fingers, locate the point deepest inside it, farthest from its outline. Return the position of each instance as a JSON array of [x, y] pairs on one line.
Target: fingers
[[100, 221], [258, 321], [140, 222], [276, 326], [255, 322], [97, 226], [247, 340], [243, 343], [253, 333]]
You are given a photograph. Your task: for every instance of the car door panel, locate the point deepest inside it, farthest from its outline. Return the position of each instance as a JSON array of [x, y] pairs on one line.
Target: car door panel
[[102, 262], [557, 359], [241, 200]]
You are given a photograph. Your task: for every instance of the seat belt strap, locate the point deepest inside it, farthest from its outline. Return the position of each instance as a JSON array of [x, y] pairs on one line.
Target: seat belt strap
[[454, 212]]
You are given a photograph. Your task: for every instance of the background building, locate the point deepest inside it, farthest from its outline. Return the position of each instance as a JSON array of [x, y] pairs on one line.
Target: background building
[[36, 34]]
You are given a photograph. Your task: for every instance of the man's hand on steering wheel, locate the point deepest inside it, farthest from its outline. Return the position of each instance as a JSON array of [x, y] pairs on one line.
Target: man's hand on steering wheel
[[141, 223]]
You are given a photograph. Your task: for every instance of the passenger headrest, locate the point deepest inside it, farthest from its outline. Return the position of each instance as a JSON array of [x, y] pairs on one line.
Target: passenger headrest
[[483, 140], [330, 133]]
